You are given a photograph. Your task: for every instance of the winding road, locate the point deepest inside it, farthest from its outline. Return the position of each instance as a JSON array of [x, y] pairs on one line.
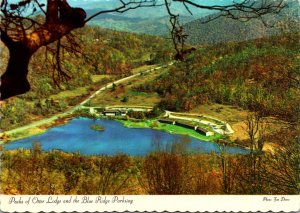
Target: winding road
[[70, 111], [217, 128]]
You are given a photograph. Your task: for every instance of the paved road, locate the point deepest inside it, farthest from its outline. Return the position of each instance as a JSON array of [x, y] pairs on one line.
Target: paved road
[[70, 111]]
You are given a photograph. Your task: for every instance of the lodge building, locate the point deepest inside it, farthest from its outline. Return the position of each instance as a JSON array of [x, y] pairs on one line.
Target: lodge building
[[114, 113], [186, 125]]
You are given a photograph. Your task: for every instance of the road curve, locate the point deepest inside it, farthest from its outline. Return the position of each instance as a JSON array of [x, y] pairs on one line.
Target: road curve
[[70, 111]]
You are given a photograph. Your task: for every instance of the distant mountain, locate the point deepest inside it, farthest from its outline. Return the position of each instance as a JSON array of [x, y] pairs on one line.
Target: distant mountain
[[152, 26], [155, 21], [140, 20], [148, 12], [150, 20], [225, 29]]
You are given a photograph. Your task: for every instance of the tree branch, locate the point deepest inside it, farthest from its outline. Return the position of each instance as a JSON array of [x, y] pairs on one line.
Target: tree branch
[[52, 11], [6, 39]]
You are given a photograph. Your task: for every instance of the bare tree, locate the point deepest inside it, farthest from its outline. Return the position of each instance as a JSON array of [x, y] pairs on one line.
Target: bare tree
[[256, 129], [283, 168], [165, 173], [229, 167], [23, 34]]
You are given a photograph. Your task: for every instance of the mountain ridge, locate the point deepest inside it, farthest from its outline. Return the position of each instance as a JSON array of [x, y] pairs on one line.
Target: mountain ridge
[[226, 30]]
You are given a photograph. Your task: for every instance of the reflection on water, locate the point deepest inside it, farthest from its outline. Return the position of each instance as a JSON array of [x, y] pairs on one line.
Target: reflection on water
[[77, 136], [178, 146]]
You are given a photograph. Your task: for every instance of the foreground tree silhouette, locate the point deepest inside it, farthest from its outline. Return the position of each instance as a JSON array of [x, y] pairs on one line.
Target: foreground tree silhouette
[[23, 33]]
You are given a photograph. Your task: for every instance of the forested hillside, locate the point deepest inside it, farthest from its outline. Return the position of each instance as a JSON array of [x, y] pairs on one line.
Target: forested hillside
[[151, 21], [104, 54], [259, 75], [225, 29], [159, 26]]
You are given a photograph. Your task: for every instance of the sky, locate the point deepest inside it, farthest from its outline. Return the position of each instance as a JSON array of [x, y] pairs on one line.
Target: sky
[[89, 3]]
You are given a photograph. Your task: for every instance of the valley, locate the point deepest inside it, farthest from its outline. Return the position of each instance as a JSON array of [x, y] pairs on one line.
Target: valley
[[129, 119], [112, 97], [135, 90]]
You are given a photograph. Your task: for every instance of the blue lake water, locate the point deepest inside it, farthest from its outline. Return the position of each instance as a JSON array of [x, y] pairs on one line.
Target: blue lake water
[[77, 136]]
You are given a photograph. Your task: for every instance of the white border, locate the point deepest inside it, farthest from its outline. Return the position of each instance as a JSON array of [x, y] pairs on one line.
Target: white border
[[171, 203]]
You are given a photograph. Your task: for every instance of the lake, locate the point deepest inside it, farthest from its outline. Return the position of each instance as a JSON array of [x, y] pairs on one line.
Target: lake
[[77, 136]]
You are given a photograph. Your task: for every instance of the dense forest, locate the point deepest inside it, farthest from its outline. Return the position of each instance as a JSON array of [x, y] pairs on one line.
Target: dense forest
[[103, 52], [260, 75]]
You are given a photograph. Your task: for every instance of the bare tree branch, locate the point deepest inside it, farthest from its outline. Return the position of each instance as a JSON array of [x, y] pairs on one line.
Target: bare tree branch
[[21, 30]]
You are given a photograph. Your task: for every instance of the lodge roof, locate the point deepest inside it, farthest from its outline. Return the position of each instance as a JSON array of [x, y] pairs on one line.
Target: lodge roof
[[166, 119], [201, 129], [114, 111]]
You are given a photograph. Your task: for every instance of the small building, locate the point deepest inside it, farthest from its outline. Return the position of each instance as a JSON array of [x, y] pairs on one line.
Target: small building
[[92, 110], [167, 121], [114, 113], [185, 125], [121, 113], [99, 109], [204, 131]]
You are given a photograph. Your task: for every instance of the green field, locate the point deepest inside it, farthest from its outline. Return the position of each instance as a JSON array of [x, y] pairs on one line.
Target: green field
[[143, 68], [126, 89], [154, 124], [80, 91], [97, 78]]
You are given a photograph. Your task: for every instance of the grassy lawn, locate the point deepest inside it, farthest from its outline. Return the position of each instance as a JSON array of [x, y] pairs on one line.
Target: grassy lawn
[[112, 99], [135, 93], [236, 117], [126, 89], [200, 117], [154, 124], [227, 113], [80, 90], [97, 78], [27, 133], [143, 68], [70, 93]]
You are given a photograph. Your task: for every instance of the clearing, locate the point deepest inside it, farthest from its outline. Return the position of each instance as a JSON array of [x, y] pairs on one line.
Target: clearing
[[236, 117], [123, 94]]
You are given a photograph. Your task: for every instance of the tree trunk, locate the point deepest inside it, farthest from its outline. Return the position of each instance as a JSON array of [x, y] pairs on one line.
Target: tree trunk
[[14, 80], [61, 19]]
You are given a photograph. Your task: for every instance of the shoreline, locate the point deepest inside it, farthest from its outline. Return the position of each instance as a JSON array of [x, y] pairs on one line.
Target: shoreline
[[139, 124], [172, 129], [131, 123], [33, 131], [26, 131]]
